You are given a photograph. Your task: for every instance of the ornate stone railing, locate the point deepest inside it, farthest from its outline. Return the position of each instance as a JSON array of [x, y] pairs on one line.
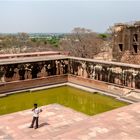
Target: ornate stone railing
[[121, 74], [112, 72]]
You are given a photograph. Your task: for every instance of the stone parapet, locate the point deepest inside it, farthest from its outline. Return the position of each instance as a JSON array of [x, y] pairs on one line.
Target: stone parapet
[[30, 83], [99, 85]]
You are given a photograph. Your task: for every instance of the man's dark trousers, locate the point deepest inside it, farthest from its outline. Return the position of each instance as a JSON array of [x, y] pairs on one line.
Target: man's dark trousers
[[35, 119]]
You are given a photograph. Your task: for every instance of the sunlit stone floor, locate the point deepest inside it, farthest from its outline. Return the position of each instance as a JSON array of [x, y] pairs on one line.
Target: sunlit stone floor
[[61, 123]]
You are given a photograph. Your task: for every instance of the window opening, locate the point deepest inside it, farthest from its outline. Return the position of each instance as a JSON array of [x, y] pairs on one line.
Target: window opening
[[135, 38], [121, 47], [135, 47]]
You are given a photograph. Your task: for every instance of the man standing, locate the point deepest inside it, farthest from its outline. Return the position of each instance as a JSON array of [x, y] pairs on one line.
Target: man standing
[[36, 112]]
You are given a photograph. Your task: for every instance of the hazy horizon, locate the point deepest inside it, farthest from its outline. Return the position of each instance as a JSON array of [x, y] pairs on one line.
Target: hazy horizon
[[59, 16]]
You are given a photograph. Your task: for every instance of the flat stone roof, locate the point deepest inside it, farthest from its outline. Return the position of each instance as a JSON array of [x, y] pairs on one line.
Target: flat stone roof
[[54, 57], [106, 62], [61, 123], [31, 59], [30, 54]]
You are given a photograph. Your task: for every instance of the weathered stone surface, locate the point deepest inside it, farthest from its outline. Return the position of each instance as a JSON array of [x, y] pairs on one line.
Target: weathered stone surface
[[62, 123], [126, 43]]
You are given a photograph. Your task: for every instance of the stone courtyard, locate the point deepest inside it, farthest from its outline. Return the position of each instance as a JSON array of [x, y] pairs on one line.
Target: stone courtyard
[[61, 123]]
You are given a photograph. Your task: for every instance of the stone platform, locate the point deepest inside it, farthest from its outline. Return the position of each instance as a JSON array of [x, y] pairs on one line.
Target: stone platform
[[61, 123]]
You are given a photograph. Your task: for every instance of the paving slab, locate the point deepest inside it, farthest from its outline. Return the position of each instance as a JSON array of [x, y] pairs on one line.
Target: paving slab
[[57, 122]]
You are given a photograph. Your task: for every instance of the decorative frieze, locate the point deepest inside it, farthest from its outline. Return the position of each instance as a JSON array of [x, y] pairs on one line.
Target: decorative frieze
[[116, 73]]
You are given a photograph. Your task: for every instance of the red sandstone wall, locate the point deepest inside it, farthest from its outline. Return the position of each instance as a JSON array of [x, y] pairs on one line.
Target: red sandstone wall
[[87, 82], [18, 85], [103, 86], [25, 84]]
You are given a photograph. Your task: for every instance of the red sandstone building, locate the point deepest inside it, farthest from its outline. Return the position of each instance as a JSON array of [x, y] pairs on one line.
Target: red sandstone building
[[126, 38]]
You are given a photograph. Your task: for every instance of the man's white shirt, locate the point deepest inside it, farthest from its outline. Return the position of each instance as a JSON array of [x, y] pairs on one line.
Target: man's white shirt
[[36, 112]]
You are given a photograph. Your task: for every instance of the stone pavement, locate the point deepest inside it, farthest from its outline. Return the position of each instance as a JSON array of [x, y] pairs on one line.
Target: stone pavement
[[61, 123]]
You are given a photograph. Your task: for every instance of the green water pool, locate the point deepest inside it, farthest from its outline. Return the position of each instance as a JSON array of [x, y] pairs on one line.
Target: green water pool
[[88, 103]]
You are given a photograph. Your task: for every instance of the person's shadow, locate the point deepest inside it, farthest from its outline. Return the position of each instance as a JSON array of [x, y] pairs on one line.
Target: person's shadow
[[43, 124]]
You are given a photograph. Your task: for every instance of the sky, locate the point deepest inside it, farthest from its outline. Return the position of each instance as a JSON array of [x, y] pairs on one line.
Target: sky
[[61, 16]]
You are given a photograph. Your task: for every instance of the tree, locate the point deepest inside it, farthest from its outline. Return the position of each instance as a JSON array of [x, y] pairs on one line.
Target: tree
[[82, 43], [103, 36]]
